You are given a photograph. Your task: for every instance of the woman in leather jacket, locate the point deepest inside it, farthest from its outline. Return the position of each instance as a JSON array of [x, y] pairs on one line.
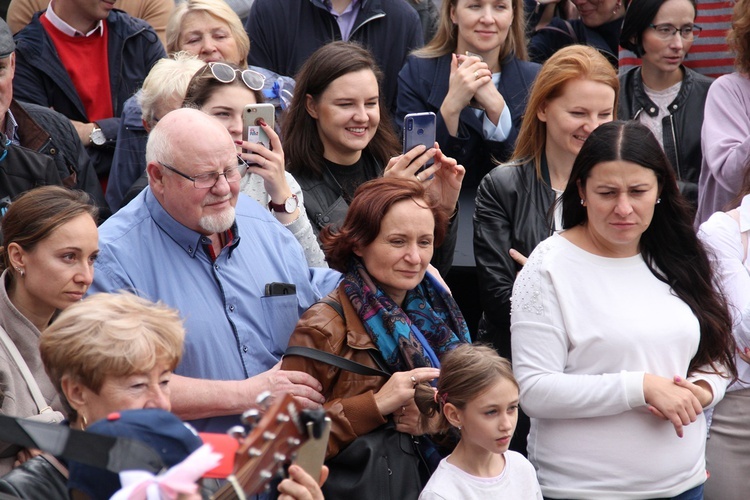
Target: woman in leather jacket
[[338, 135], [575, 92], [662, 93]]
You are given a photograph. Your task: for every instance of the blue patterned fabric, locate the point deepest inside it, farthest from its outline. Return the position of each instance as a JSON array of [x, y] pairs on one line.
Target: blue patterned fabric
[[417, 334]]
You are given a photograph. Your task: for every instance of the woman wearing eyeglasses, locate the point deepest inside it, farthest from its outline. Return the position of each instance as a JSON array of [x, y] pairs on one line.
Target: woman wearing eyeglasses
[[662, 93], [222, 90]]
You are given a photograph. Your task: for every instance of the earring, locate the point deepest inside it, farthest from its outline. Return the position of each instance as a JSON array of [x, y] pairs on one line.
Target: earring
[[617, 7], [583, 203], [658, 200], [85, 422], [459, 427], [20, 271]]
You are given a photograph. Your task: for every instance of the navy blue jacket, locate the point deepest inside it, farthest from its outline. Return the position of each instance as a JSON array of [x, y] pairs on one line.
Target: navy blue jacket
[[41, 78], [423, 85], [284, 33]]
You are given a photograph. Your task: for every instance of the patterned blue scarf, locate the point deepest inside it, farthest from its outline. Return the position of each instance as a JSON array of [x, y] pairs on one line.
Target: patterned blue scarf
[[417, 334]]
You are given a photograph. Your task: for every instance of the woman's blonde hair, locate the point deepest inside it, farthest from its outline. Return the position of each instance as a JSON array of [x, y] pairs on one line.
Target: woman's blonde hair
[[465, 373], [217, 9], [168, 79], [574, 62], [446, 37], [110, 335]]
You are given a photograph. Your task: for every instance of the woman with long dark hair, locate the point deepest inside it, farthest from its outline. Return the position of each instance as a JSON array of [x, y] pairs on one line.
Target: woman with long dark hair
[[619, 338]]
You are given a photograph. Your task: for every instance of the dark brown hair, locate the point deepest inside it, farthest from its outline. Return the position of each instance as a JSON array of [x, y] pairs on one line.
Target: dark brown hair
[[302, 145], [371, 203], [36, 214], [465, 373], [669, 245]]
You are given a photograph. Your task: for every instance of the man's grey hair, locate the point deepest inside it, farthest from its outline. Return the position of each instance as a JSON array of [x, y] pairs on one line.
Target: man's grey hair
[[159, 146]]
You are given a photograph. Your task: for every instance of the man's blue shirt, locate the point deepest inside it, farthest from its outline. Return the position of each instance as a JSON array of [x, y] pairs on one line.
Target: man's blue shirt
[[233, 330]]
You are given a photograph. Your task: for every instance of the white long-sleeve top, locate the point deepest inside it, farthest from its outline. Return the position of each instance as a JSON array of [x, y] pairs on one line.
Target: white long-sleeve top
[[724, 235], [585, 329]]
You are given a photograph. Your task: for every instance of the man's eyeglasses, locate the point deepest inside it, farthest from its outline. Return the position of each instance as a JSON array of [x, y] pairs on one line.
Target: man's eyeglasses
[[667, 31], [204, 181], [226, 74]]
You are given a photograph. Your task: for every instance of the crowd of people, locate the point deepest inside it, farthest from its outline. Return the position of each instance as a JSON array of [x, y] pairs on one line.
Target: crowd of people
[[164, 271]]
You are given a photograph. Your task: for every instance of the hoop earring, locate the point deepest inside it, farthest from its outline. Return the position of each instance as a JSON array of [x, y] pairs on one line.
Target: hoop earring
[[85, 422]]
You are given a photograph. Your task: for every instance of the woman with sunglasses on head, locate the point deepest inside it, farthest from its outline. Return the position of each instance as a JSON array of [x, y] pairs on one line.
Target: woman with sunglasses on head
[[473, 75], [222, 90], [662, 93], [208, 29], [338, 135]]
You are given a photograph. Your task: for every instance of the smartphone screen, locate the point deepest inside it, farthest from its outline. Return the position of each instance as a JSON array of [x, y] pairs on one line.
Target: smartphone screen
[[419, 128]]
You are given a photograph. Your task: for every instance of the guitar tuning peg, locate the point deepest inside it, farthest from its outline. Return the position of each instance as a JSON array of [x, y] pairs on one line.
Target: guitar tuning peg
[[251, 417], [237, 432], [264, 399]]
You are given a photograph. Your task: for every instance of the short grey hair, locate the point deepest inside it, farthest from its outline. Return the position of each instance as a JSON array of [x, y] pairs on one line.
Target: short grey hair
[[169, 78]]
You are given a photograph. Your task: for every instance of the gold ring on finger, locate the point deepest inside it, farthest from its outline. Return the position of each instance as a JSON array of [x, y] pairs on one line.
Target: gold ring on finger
[[476, 75]]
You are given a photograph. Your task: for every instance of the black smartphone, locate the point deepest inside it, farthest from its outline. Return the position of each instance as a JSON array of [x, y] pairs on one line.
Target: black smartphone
[[273, 289], [419, 128]]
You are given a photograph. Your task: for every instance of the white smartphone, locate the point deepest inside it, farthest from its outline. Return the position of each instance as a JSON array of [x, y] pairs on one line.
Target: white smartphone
[[251, 129]]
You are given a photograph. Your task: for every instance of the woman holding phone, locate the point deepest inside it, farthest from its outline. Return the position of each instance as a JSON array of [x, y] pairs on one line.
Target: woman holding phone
[[474, 77], [222, 90], [337, 135]]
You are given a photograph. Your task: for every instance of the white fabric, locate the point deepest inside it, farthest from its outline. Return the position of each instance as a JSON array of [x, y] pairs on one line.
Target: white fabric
[[585, 329], [662, 99], [67, 29], [500, 131], [722, 235], [517, 482]]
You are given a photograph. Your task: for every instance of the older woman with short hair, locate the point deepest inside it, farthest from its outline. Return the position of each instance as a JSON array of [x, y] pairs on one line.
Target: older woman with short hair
[[393, 312], [107, 353]]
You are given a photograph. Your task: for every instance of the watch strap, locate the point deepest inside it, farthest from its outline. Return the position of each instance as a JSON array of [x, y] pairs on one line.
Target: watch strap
[[281, 207]]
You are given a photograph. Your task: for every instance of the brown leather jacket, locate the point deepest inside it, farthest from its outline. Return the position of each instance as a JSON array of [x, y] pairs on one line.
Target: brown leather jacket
[[350, 400]]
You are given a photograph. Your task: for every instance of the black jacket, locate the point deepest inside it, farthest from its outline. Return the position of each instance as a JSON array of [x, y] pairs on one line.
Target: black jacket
[[512, 207], [34, 479], [284, 33], [50, 133], [325, 205], [682, 128], [22, 169]]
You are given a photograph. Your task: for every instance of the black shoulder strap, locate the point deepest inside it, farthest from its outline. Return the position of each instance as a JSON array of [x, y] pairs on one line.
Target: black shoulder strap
[[333, 360]]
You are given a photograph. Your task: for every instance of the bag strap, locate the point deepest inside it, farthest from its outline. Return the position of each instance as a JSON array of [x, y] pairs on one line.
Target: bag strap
[[334, 360], [36, 393]]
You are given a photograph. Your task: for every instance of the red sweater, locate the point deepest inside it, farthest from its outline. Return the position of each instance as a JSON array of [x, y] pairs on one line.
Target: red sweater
[[86, 60]]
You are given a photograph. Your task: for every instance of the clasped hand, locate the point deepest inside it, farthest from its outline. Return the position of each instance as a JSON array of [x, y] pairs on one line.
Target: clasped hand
[[677, 401]]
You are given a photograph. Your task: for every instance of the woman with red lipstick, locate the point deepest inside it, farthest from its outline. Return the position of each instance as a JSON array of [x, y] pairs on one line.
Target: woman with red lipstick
[[265, 181], [477, 395], [620, 340], [474, 76], [388, 312], [50, 244], [599, 26], [337, 135], [662, 93]]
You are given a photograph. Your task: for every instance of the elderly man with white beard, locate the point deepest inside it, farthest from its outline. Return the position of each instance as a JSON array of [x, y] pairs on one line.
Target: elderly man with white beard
[[238, 277]]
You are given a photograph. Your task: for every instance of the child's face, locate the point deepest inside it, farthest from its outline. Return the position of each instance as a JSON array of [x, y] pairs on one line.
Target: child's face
[[489, 420]]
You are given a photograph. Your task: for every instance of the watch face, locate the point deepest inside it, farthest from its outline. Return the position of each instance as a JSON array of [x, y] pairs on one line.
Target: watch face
[[290, 205], [97, 137]]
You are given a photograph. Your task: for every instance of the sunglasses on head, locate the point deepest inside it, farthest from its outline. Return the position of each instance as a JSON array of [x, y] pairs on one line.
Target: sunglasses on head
[[226, 74]]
